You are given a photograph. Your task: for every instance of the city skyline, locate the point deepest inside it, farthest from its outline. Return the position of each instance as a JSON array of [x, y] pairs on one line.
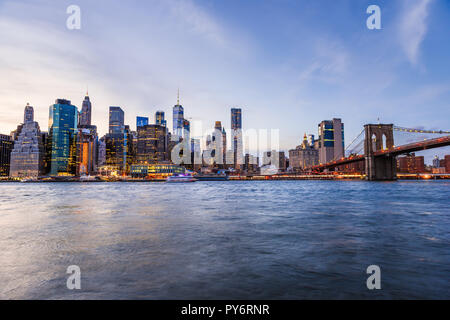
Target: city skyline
[[283, 79]]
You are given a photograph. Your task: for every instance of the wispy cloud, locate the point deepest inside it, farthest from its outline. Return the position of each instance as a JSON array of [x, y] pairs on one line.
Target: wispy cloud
[[413, 28]]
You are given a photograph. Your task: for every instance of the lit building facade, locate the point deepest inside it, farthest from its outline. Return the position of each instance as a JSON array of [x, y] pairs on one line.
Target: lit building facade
[[87, 152], [116, 141], [303, 156], [331, 140], [155, 170], [152, 145], [6, 146], [411, 164], [160, 119], [62, 135]]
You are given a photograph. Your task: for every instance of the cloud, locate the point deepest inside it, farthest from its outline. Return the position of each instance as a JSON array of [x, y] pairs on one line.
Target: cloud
[[413, 28]]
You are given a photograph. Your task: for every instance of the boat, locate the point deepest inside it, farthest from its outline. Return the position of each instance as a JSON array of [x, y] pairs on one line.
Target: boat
[[85, 178], [211, 177], [181, 178]]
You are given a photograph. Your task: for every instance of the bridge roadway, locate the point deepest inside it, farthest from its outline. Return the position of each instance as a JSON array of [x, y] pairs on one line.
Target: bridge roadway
[[395, 151]]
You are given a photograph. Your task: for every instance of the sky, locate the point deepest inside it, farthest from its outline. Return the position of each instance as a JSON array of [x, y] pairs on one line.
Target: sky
[[288, 64]]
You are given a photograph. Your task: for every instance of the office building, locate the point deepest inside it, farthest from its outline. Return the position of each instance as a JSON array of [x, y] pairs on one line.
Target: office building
[[6, 146], [160, 118], [303, 156], [115, 141], [116, 120], [141, 121], [331, 140], [178, 119], [411, 164], [27, 157], [152, 145], [86, 112], [87, 153], [62, 135], [236, 135]]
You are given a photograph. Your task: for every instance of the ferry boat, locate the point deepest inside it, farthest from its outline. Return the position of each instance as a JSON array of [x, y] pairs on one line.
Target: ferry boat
[[211, 177], [181, 178]]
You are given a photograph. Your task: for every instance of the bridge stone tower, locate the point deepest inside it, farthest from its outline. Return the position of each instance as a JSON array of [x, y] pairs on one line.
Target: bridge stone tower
[[379, 137]]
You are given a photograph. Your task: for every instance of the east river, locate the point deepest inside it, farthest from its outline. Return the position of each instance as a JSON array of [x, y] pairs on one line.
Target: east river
[[225, 240]]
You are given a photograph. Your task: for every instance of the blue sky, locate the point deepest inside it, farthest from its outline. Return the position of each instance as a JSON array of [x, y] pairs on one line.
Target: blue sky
[[288, 64]]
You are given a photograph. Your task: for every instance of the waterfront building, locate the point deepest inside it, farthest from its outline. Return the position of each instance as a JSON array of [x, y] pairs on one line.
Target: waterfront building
[[411, 164], [27, 157], [152, 145], [236, 133], [6, 146], [160, 118], [331, 140], [141, 121], [86, 112], [62, 135], [303, 156], [156, 171], [87, 141]]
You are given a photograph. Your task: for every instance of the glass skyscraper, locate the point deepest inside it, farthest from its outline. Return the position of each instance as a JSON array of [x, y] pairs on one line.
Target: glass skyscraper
[[178, 119], [63, 119]]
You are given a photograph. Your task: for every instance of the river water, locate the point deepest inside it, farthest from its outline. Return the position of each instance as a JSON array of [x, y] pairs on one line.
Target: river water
[[225, 240]]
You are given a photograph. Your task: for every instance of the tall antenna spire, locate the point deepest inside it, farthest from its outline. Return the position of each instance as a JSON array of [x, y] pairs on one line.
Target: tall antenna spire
[[178, 98], [87, 90]]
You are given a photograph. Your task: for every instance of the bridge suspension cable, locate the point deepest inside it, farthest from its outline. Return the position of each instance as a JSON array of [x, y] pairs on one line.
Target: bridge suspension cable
[[412, 130]]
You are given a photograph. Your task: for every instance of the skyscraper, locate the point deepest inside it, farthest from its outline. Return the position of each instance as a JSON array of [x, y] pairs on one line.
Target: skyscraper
[[141, 121], [159, 117], [152, 145], [86, 110], [236, 132], [6, 145], [331, 140], [115, 140], [27, 157], [62, 133], [116, 120], [178, 118]]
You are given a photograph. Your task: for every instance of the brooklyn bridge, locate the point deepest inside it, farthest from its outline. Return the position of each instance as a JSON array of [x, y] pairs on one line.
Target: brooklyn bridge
[[375, 148]]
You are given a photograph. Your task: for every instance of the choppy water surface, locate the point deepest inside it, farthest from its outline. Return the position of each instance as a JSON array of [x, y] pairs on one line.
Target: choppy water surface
[[225, 240]]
